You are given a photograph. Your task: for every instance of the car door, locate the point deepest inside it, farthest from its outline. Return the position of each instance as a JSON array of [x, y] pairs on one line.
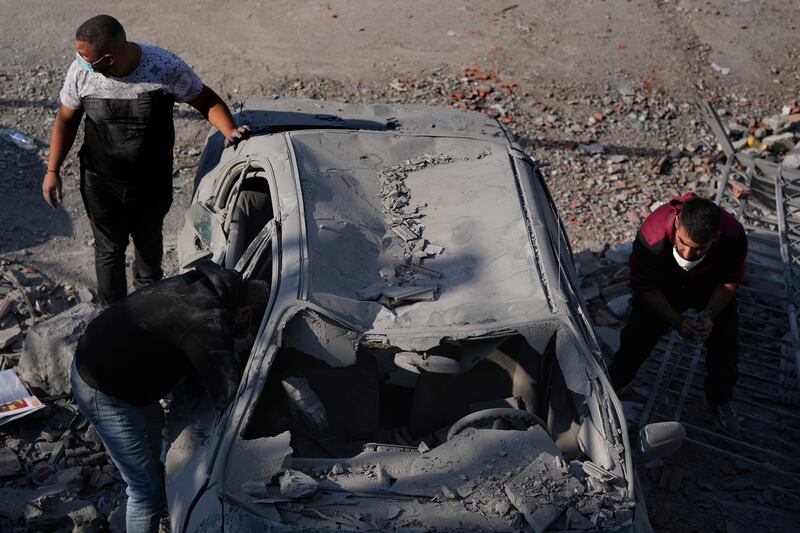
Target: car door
[[194, 430]]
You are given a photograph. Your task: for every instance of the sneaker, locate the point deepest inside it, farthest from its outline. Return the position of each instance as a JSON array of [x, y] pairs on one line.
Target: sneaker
[[725, 417]]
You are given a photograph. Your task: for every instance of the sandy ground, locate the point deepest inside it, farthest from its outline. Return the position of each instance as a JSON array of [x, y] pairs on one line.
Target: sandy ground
[[564, 57]]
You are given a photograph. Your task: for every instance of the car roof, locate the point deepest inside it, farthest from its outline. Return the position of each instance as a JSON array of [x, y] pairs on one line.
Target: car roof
[[276, 114], [470, 209]]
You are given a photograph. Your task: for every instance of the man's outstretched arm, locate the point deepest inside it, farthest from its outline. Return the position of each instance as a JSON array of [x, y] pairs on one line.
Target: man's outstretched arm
[[64, 130], [211, 106]]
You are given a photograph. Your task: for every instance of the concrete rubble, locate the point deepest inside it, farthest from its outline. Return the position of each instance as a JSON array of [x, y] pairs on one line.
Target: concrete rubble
[[54, 472], [481, 478], [409, 280]]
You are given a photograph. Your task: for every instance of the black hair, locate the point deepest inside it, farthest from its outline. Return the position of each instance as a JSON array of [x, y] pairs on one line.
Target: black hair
[[700, 219], [103, 32], [255, 295]]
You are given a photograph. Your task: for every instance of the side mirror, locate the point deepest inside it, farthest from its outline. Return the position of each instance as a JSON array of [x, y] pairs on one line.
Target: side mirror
[[659, 439]]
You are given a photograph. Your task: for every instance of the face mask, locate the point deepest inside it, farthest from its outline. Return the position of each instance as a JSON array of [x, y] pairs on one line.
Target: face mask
[[85, 65], [685, 263]]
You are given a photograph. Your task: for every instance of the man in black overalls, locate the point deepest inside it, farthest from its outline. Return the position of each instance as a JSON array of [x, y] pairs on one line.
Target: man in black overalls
[[127, 91]]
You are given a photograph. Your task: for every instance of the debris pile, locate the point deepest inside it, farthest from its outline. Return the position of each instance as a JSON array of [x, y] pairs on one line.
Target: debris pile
[[481, 479], [472, 88], [775, 137], [408, 280], [54, 472], [27, 297]]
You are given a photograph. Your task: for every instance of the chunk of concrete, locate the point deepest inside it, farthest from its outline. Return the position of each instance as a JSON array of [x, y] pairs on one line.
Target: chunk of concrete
[[779, 143], [609, 337], [792, 160], [473, 454], [14, 502], [542, 491], [9, 335], [9, 463], [296, 484], [620, 305], [46, 360]]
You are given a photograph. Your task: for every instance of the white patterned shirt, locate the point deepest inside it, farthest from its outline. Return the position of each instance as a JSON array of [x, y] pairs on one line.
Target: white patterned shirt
[[158, 69]]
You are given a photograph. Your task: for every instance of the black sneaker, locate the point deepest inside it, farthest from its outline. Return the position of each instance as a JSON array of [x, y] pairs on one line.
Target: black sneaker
[[725, 418]]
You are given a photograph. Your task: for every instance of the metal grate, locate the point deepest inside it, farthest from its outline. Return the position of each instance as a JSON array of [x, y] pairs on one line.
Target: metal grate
[[766, 200]]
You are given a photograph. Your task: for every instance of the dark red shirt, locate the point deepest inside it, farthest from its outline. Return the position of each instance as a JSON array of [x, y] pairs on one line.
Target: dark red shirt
[[654, 267]]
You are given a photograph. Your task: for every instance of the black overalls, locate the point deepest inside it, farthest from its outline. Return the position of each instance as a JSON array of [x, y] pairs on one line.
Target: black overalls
[[126, 185]]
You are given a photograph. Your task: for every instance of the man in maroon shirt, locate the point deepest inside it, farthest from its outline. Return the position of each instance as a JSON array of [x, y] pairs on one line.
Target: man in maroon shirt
[[688, 254]]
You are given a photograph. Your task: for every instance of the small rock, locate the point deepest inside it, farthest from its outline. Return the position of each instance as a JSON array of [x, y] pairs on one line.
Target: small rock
[[577, 521], [337, 469], [9, 463], [502, 507], [619, 306], [609, 336], [9, 335], [448, 493], [792, 161], [296, 484], [257, 489], [592, 148], [779, 143], [620, 253], [116, 519], [49, 347]]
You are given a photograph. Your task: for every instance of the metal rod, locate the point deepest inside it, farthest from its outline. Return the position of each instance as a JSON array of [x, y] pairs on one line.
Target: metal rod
[[756, 319], [767, 337], [784, 412], [743, 444], [771, 295], [687, 382], [651, 400], [766, 466], [740, 386]]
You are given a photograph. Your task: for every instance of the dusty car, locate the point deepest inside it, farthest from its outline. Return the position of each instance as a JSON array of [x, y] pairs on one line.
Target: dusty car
[[425, 361]]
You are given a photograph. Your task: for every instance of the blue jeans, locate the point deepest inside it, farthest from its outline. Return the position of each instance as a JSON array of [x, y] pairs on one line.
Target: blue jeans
[[132, 437]]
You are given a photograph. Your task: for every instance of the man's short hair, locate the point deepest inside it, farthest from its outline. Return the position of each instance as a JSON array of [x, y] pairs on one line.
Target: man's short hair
[[103, 32], [700, 219]]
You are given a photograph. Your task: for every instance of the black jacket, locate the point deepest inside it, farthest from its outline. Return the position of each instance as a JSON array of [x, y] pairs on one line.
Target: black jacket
[[138, 349]]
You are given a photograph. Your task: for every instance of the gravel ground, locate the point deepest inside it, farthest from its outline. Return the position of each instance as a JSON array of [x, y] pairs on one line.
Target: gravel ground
[[601, 95]]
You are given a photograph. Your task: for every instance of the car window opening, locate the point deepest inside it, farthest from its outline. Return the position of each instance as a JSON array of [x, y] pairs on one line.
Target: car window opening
[[333, 410], [251, 211]]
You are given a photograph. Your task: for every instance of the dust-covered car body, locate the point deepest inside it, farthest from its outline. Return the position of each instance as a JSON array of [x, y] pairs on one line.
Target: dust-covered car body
[[422, 290]]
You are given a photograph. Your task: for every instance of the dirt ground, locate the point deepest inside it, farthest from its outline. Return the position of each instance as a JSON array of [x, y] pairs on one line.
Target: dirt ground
[[564, 74]]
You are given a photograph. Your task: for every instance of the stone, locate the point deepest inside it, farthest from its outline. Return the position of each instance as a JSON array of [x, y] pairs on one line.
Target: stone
[[9, 335], [590, 292], [592, 148], [9, 463], [792, 161], [14, 502], [609, 337], [296, 484], [604, 318], [576, 520], [541, 492], [620, 253], [619, 306], [587, 264], [779, 143], [72, 477], [116, 519], [47, 358]]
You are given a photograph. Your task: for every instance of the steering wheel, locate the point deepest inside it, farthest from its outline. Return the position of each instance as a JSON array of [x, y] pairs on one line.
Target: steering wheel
[[517, 418]]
